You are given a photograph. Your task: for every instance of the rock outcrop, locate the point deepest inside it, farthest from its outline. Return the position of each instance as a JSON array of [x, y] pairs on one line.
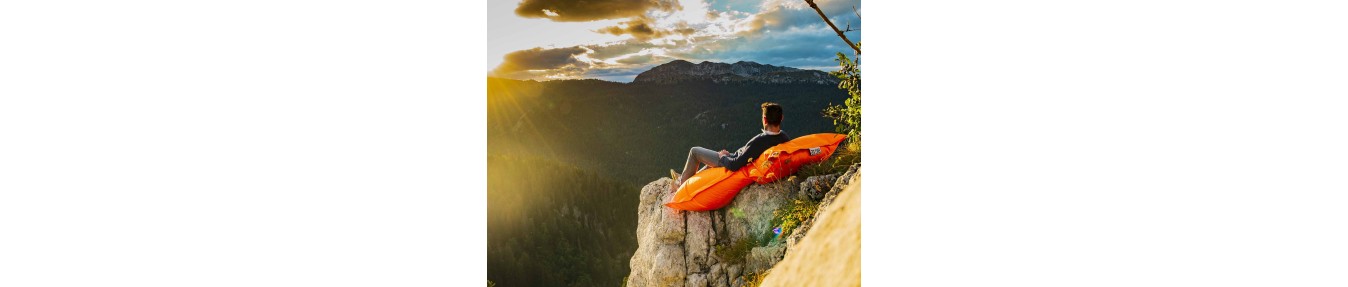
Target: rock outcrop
[[717, 248], [840, 182], [830, 255]]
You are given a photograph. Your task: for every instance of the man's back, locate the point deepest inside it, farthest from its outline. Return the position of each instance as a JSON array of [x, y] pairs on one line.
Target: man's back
[[756, 145]]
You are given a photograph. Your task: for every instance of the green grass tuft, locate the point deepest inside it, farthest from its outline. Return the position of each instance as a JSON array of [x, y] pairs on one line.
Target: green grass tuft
[[794, 214], [735, 253], [755, 279], [842, 159]]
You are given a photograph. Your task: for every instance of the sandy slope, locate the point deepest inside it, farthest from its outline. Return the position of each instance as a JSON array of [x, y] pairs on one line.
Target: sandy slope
[[830, 254]]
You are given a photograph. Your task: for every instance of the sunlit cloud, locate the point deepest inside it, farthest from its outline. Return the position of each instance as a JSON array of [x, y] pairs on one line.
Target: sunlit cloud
[[643, 28]]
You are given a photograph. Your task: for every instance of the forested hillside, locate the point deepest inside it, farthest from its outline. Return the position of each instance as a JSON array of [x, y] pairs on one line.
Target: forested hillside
[[565, 159], [572, 230], [637, 132]]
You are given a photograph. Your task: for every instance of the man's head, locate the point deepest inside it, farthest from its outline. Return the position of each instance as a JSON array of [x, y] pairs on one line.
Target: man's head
[[772, 115]]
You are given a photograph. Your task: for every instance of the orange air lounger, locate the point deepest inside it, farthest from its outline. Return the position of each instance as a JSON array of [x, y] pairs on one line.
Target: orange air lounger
[[713, 188], [710, 189], [783, 160]]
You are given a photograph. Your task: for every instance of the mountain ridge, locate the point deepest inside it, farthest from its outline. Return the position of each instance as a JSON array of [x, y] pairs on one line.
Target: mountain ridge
[[683, 71], [743, 71]]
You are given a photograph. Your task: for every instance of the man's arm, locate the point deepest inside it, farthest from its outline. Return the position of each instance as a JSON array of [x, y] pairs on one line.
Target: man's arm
[[732, 161], [740, 157]]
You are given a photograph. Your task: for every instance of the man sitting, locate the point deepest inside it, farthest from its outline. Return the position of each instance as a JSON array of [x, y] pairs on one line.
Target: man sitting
[[772, 135]]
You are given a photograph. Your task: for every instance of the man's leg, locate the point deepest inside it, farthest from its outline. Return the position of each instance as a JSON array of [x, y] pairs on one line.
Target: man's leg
[[697, 156], [708, 157]]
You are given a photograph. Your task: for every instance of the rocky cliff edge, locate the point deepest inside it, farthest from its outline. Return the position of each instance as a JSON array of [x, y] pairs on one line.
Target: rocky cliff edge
[[725, 247]]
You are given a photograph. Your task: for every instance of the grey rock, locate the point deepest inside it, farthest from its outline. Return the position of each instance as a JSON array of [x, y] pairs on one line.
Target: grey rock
[[696, 280], [717, 276], [671, 257], [679, 248], [663, 266], [698, 241], [659, 259], [841, 182], [762, 258], [670, 227], [750, 214], [721, 283], [718, 219], [815, 187]]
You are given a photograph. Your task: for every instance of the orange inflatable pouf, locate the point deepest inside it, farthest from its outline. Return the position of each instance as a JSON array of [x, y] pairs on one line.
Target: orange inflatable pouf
[[783, 160], [713, 188], [710, 189]]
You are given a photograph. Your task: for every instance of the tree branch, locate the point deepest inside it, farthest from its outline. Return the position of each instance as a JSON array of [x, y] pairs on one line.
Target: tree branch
[[849, 28], [835, 28]]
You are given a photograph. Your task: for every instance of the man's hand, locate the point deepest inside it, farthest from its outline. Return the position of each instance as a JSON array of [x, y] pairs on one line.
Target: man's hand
[[723, 153]]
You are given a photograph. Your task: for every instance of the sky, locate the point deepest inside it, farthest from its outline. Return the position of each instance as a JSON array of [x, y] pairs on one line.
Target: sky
[[615, 40]]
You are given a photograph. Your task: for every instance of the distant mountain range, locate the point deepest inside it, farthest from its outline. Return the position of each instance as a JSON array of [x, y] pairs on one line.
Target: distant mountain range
[[681, 71]]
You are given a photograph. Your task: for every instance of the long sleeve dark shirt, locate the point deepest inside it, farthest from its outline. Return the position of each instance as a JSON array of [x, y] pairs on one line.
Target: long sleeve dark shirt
[[756, 145]]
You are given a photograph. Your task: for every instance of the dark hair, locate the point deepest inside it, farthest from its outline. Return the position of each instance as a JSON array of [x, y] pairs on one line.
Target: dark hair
[[773, 113]]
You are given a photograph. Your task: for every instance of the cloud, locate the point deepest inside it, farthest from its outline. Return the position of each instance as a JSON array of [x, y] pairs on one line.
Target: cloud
[[590, 10], [642, 29], [540, 62], [639, 28], [642, 59], [785, 33], [618, 49], [795, 47], [620, 59], [783, 17]]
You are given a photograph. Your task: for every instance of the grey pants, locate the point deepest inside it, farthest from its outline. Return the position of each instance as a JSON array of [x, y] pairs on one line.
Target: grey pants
[[697, 156]]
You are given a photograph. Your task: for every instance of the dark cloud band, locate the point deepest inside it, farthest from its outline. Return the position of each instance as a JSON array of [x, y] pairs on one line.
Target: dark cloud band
[[524, 63], [590, 10]]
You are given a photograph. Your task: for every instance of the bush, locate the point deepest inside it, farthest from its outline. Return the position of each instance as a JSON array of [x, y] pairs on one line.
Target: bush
[[847, 117], [794, 214]]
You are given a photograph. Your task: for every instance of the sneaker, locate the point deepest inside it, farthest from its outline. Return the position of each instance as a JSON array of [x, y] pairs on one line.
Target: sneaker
[[674, 186]]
